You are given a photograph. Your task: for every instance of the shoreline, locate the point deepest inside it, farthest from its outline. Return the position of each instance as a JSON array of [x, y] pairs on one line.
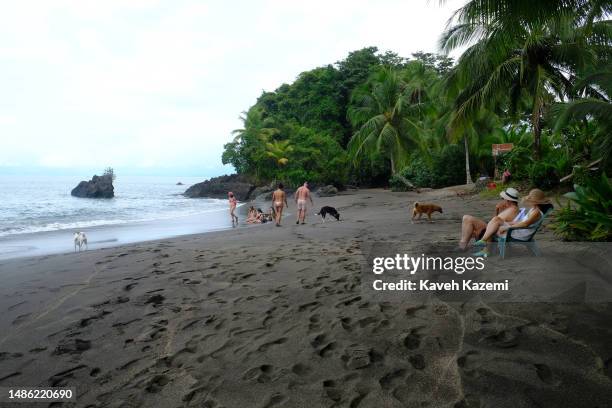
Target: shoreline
[[54, 242]]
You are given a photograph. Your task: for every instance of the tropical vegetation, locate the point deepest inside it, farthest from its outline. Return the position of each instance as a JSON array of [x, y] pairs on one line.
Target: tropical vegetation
[[534, 75]]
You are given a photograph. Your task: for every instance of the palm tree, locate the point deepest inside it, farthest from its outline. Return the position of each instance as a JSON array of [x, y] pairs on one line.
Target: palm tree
[[279, 150], [250, 142], [385, 111], [477, 133], [521, 55], [595, 104], [254, 125]]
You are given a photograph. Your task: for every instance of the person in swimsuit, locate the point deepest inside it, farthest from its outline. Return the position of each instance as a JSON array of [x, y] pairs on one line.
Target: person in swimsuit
[[278, 199], [301, 195], [537, 204], [251, 215], [473, 227], [232, 205]]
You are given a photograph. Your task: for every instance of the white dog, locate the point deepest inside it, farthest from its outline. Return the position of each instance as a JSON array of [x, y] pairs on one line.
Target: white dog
[[80, 239]]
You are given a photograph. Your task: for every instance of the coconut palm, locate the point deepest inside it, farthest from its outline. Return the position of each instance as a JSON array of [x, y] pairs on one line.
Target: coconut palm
[[254, 126], [596, 89], [520, 55], [386, 112], [279, 150], [378, 110]]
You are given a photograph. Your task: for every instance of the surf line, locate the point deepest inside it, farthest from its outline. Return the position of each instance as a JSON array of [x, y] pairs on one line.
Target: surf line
[[427, 285]]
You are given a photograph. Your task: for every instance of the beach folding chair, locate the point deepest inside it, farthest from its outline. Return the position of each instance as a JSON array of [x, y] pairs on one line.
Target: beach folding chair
[[529, 241]]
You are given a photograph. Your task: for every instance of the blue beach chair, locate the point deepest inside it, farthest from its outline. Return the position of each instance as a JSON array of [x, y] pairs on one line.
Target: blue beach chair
[[529, 241]]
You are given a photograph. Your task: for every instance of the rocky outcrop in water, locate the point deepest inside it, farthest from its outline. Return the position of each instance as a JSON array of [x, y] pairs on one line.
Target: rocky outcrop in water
[[97, 187], [218, 187]]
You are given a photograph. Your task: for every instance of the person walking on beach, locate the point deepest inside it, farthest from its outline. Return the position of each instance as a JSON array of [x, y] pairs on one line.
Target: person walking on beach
[[301, 195], [278, 199], [232, 205]]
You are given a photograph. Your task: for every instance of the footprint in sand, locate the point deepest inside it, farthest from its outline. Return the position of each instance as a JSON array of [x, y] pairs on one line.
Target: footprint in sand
[[392, 378], [261, 374], [61, 379], [155, 300], [275, 400], [504, 339], [21, 318], [357, 356], [412, 341], [546, 374], [332, 390], [314, 323], [11, 375], [300, 369], [276, 342], [76, 346], [156, 383], [417, 361]]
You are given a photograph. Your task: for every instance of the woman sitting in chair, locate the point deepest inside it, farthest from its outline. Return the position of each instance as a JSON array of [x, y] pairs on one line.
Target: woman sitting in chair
[[537, 205], [474, 228]]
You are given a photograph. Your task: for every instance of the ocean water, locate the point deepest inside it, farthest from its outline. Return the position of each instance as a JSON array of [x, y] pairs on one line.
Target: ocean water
[[31, 204]]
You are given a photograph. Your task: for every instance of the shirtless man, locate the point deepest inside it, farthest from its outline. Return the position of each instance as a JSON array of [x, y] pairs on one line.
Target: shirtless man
[[301, 195], [278, 199]]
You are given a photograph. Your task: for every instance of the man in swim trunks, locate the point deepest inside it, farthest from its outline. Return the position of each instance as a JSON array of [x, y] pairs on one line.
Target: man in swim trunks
[[301, 195], [278, 199]]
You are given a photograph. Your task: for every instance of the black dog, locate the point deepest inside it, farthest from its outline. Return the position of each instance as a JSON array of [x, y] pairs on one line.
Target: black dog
[[327, 210]]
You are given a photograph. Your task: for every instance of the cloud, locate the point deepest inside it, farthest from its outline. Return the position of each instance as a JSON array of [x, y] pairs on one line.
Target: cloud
[[152, 83]]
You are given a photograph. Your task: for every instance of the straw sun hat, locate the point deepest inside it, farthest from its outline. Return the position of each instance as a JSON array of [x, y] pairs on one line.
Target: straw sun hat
[[536, 196], [510, 194]]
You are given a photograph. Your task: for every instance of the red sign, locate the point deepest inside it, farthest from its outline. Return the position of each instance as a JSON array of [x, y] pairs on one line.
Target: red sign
[[501, 148]]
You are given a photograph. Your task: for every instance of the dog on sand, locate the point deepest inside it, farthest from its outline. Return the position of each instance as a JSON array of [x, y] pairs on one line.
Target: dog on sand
[[327, 210], [80, 240], [426, 208]]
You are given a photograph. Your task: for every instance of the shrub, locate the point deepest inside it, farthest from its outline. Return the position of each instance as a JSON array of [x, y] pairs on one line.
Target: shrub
[[589, 219], [446, 168], [543, 175], [419, 172], [517, 161], [109, 171]]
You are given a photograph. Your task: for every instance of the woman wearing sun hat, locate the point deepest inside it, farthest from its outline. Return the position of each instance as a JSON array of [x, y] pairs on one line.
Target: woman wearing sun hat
[[536, 205], [473, 227]]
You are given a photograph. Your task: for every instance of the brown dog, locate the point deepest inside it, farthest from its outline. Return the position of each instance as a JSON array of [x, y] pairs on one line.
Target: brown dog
[[420, 209]]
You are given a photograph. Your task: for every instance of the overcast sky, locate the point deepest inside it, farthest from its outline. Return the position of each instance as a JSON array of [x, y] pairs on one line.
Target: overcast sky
[[155, 87]]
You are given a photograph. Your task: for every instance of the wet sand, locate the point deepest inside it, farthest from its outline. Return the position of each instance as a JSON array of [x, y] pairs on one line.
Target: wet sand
[[275, 317]]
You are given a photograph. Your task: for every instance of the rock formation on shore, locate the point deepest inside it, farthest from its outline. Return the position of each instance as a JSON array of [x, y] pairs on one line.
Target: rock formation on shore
[[218, 187], [97, 187], [327, 191]]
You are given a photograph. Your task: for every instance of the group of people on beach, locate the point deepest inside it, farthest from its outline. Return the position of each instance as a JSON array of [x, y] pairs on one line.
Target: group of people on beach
[[507, 215], [279, 203]]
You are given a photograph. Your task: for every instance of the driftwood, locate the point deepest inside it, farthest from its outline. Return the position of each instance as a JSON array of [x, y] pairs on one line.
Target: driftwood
[[569, 176], [407, 183]]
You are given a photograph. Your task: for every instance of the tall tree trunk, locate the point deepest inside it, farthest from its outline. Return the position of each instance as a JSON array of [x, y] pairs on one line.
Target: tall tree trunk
[[468, 177], [392, 166], [535, 123]]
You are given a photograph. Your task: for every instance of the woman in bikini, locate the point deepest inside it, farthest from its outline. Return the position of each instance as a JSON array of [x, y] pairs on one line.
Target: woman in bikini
[[232, 205], [278, 199]]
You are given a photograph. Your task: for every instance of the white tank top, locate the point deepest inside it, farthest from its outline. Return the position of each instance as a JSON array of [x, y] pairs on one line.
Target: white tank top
[[522, 216]]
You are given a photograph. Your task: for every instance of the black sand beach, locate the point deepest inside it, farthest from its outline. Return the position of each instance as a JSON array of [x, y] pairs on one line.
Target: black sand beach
[[277, 317]]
